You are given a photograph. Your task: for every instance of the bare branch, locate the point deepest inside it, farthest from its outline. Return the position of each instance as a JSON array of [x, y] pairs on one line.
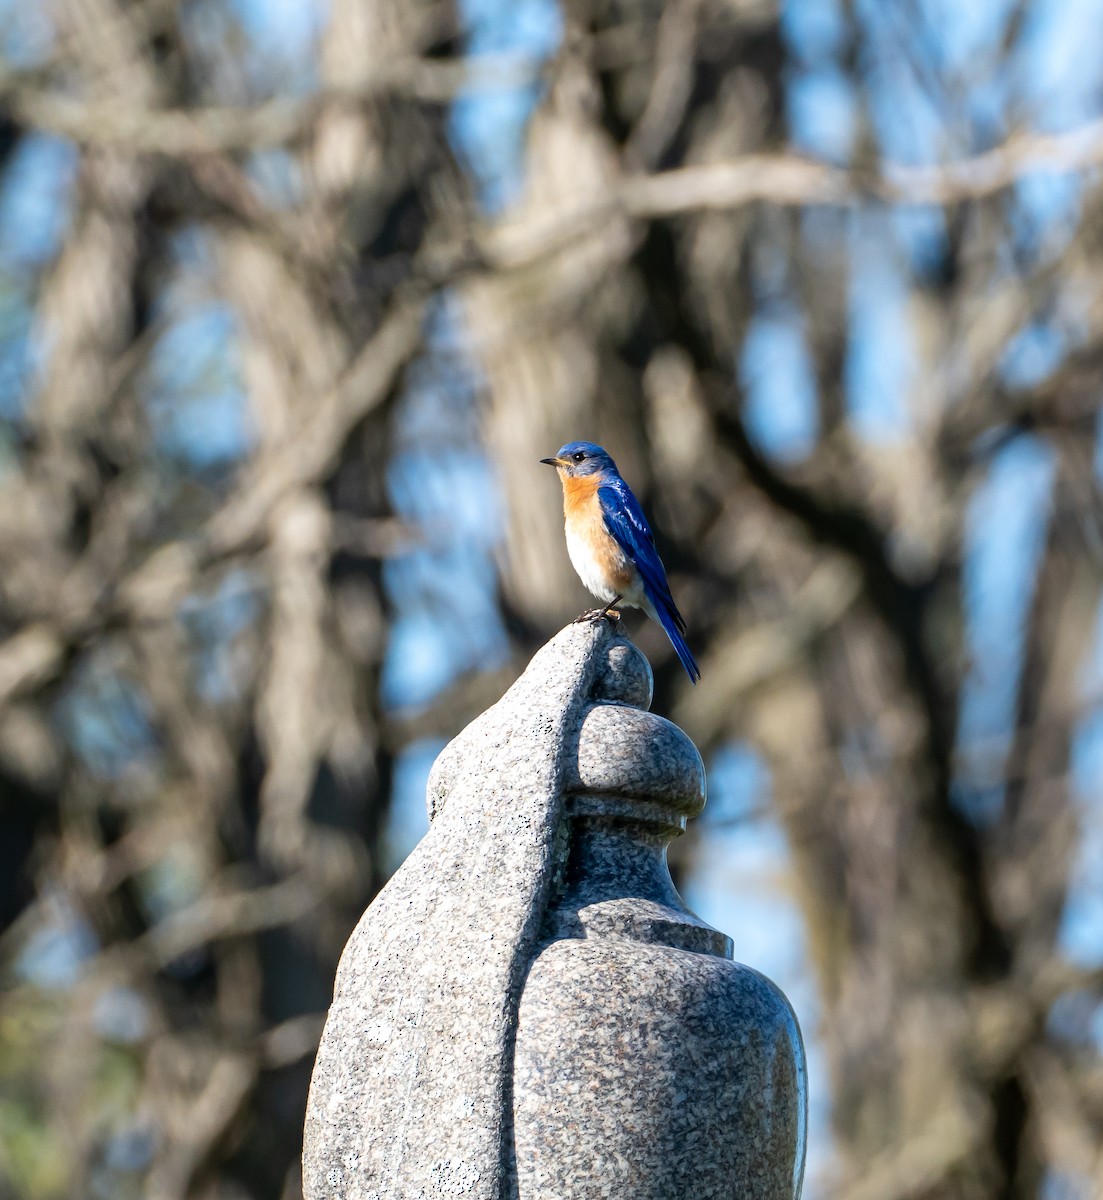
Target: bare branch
[[278, 122], [788, 180]]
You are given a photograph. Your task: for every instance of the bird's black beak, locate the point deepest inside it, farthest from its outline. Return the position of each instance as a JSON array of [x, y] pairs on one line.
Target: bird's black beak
[[552, 462]]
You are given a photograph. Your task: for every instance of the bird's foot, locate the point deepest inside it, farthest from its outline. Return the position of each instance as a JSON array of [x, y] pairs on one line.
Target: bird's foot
[[598, 614]]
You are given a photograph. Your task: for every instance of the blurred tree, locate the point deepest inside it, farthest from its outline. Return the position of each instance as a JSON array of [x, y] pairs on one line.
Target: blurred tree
[[288, 319]]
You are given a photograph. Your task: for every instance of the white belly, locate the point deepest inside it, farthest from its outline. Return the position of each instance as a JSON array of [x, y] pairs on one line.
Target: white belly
[[594, 577]]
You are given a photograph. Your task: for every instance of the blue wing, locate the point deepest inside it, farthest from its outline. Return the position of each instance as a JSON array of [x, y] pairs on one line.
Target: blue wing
[[624, 519]]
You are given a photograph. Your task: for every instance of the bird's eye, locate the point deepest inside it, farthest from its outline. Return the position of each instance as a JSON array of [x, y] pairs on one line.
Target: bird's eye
[[579, 456]]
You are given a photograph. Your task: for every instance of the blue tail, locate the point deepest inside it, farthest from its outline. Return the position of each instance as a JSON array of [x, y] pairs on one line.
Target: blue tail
[[671, 621]]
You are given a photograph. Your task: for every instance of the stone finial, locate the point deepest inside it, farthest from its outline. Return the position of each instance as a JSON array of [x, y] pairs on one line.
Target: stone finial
[[527, 1009]]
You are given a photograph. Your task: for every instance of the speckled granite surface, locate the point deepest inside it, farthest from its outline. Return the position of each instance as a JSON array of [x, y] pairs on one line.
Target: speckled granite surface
[[640, 1061]]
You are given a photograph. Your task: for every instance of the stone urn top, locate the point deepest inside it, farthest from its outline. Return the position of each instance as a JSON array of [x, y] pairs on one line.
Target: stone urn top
[[612, 750]]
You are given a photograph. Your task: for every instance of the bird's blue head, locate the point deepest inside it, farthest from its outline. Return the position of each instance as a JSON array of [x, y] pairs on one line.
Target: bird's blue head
[[581, 458]]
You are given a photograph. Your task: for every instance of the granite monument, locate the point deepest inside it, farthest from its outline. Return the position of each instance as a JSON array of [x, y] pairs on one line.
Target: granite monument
[[527, 1009]]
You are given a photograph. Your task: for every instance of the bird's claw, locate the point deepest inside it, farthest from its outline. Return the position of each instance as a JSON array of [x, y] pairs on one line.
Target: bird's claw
[[597, 614]]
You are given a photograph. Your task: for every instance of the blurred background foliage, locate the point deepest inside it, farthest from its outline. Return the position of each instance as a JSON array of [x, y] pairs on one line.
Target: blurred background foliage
[[294, 295]]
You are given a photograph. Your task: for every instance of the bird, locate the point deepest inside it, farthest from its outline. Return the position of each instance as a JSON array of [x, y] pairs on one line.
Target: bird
[[611, 545]]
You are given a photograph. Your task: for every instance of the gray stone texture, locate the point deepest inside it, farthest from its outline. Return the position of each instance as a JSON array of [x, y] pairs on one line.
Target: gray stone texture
[[528, 1009]]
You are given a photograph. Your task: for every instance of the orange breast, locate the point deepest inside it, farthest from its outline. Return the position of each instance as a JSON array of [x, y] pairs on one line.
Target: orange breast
[[594, 551], [580, 496]]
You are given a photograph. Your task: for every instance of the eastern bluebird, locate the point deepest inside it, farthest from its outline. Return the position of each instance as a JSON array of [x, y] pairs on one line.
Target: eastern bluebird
[[611, 544]]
